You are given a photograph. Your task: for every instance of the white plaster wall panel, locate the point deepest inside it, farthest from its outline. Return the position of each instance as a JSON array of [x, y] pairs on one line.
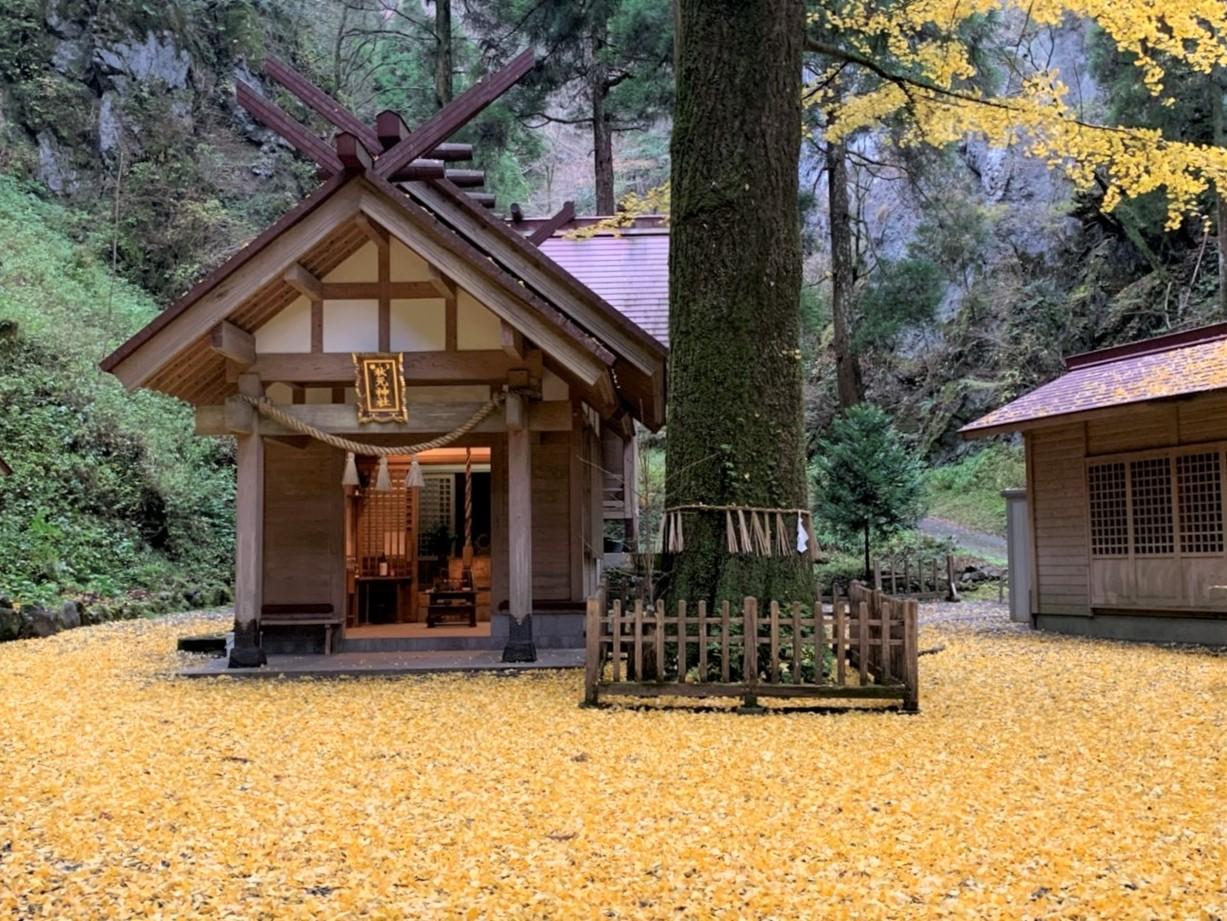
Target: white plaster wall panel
[[288, 331], [351, 326], [554, 387], [469, 393], [406, 265], [476, 327], [319, 395], [418, 325], [361, 266]]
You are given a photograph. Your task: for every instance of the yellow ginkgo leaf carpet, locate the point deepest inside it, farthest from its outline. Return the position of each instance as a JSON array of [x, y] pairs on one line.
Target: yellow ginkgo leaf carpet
[[1045, 777]]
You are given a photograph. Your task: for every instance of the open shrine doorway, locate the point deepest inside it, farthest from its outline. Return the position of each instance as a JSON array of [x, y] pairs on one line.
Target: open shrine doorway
[[418, 558]]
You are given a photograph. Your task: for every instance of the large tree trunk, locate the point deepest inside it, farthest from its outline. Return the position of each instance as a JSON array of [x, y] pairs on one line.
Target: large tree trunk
[[1217, 89], [736, 435], [843, 278], [443, 53], [602, 136]]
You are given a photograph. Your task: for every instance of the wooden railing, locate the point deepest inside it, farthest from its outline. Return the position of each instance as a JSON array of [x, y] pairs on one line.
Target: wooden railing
[[862, 645], [914, 575]]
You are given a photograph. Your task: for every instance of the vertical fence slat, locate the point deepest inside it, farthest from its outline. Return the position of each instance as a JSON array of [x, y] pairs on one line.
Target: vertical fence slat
[[638, 639], [841, 650], [660, 640], [749, 608], [775, 642], [796, 642], [886, 617], [615, 628], [894, 575], [911, 659], [681, 642], [592, 654], [724, 642], [862, 619], [702, 641]]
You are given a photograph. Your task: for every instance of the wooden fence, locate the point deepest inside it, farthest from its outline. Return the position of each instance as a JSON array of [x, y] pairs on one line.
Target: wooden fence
[[916, 576], [862, 645]]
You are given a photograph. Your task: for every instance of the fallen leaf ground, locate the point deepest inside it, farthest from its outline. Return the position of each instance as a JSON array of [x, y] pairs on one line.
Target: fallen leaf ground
[[1045, 777]]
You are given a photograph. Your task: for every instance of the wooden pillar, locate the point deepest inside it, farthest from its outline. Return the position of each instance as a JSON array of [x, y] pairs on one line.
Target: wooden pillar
[[520, 647], [249, 539]]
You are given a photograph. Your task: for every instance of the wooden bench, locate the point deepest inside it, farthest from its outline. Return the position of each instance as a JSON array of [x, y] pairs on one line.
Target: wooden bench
[[302, 615]]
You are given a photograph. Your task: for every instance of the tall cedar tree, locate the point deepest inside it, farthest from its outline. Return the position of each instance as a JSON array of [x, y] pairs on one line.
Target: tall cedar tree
[[735, 410], [609, 57]]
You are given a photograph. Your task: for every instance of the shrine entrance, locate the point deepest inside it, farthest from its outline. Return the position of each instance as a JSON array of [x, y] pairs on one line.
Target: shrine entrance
[[418, 545]]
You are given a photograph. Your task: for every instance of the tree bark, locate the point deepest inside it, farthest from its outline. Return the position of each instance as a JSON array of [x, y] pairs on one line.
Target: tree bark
[[602, 136], [736, 435], [843, 278], [1217, 89], [443, 53]]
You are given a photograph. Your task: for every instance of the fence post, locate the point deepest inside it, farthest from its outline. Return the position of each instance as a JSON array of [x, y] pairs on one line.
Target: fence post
[[911, 657], [749, 665], [877, 576], [592, 657], [952, 591]]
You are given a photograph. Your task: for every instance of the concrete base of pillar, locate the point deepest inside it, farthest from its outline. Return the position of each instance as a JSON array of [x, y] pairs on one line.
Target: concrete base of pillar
[[520, 646]]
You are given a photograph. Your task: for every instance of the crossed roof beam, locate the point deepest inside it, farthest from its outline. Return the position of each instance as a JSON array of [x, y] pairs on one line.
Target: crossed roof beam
[[390, 149]]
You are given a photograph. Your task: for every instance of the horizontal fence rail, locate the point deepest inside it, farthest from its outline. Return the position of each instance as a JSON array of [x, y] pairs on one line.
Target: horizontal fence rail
[[862, 645]]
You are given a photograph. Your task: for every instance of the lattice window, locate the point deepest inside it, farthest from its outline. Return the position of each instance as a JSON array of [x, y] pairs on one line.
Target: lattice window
[[437, 508], [1151, 485], [1109, 510], [1199, 483]]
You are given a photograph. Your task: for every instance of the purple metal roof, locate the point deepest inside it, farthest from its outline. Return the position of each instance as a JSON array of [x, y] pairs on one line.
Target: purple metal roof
[[1169, 366], [630, 271]]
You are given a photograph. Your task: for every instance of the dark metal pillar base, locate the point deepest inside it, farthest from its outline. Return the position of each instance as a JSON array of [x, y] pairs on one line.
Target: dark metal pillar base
[[520, 646], [247, 652]]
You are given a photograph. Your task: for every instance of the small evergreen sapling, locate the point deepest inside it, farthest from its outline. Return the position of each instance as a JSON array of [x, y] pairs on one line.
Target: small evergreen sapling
[[868, 481]]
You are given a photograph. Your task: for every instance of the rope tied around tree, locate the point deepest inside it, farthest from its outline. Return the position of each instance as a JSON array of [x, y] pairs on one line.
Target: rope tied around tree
[[763, 533]]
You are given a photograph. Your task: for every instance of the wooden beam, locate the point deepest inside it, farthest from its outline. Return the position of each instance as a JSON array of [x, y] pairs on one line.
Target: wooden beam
[[385, 299], [452, 152], [249, 537], [484, 366], [340, 419], [372, 231], [453, 116], [485, 199], [272, 116], [519, 509], [422, 168], [317, 325], [237, 345], [304, 282], [513, 342], [545, 230], [465, 178], [352, 153], [443, 287], [319, 101], [371, 290]]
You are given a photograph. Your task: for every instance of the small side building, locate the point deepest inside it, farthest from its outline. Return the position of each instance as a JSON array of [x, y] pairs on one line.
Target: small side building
[[1125, 463]]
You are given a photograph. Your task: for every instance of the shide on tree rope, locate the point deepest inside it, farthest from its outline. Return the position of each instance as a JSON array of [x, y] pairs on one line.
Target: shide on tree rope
[[383, 482], [752, 536]]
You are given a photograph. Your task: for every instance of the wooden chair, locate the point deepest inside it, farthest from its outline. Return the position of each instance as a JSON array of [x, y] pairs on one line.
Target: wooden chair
[[302, 615]]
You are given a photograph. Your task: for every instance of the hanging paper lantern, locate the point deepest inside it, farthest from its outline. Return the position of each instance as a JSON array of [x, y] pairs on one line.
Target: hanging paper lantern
[[414, 478], [383, 482], [350, 478]]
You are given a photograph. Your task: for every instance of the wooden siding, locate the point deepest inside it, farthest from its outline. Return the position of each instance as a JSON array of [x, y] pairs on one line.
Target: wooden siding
[[552, 517], [1059, 516], [304, 525]]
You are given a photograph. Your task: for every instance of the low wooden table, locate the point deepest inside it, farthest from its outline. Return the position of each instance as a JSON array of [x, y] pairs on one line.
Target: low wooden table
[[451, 604]]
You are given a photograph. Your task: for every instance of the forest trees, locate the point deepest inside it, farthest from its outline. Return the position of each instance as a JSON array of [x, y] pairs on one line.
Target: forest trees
[[735, 411], [610, 58]]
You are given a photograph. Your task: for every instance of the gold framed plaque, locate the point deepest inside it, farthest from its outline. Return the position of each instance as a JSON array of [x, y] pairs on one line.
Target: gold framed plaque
[[380, 381]]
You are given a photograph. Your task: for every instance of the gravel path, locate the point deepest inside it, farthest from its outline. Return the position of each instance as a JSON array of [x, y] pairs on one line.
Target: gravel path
[[979, 543], [976, 616]]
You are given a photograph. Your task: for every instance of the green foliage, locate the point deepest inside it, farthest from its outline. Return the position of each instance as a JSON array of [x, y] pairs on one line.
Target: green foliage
[[901, 294], [110, 490], [868, 482], [968, 491]]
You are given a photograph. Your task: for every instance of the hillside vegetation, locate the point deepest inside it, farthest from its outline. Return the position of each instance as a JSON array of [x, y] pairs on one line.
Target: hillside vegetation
[[110, 490]]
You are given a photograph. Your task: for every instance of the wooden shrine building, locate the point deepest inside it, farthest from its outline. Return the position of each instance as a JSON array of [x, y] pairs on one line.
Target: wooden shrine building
[[1125, 463], [505, 392]]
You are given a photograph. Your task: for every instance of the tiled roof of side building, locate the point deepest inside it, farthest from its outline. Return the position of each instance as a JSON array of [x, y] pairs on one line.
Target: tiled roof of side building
[[628, 270], [1178, 364]]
